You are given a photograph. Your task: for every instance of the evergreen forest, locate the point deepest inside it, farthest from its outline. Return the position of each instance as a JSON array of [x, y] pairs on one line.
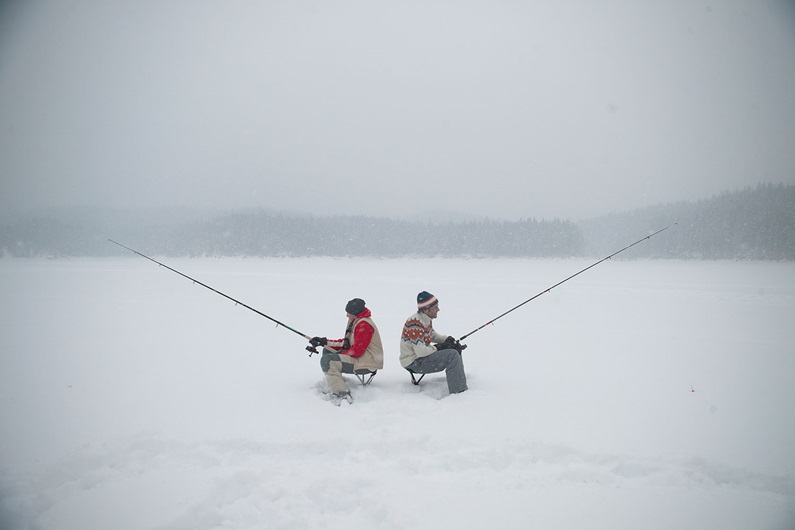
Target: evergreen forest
[[754, 223]]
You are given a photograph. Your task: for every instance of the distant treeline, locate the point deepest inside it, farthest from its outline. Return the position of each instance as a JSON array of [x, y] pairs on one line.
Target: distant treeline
[[756, 223]]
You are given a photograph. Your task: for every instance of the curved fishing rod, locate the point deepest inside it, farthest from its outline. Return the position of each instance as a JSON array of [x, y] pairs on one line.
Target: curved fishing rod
[[564, 281], [282, 324]]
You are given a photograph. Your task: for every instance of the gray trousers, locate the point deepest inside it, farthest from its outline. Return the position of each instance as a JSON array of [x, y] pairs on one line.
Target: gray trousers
[[448, 360]]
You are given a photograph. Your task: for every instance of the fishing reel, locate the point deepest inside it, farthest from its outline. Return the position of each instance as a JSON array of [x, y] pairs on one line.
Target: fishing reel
[[314, 342]]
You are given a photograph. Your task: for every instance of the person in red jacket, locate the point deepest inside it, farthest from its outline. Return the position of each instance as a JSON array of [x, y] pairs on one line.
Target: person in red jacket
[[359, 351]]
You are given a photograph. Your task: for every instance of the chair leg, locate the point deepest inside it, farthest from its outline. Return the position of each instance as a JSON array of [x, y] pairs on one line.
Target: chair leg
[[364, 379]]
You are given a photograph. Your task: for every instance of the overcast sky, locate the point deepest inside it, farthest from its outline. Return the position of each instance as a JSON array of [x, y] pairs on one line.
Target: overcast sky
[[499, 108]]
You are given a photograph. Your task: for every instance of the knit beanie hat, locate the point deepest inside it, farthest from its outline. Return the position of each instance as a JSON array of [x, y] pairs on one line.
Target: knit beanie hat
[[426, 300], [355, 306]]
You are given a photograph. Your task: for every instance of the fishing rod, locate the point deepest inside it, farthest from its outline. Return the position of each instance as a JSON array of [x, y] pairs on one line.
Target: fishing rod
[[282, 324], [564, 281]]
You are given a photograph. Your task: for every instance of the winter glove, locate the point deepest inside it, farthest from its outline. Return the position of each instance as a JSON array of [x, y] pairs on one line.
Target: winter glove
[[450, 340], [318, 341], [457, 346]]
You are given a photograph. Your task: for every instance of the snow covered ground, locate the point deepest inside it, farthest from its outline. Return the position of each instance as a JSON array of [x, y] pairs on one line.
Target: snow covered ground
[[639, 395]]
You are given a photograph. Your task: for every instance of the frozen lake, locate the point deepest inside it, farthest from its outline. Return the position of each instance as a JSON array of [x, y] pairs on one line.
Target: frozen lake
[[640, 394]]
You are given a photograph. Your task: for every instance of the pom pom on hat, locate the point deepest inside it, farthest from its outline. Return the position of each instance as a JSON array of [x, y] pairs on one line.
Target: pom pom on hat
[[426, 300], [355, 306]]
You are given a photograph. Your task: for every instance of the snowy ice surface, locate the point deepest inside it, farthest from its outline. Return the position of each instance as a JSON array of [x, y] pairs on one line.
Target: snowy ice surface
[[639, 395]]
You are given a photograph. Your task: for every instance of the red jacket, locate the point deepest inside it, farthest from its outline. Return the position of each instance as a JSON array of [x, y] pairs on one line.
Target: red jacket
[[362, 335]]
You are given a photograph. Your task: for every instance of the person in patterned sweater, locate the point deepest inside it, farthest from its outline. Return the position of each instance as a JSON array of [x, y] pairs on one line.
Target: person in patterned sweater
[[419, 354]]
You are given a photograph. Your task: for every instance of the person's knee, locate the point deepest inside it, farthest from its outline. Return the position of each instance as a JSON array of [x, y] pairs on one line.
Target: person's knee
[[451, 357], [325, 362]]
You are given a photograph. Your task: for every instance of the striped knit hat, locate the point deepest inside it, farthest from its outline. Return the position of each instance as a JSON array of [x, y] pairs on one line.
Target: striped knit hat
[[426, 300]]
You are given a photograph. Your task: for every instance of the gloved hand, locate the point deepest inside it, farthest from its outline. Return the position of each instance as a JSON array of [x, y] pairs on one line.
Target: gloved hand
[[449, 344], [457, 346], [318, 341]]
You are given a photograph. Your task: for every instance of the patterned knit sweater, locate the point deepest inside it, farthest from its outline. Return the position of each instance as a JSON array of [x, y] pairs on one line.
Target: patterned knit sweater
[[418, 334]]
